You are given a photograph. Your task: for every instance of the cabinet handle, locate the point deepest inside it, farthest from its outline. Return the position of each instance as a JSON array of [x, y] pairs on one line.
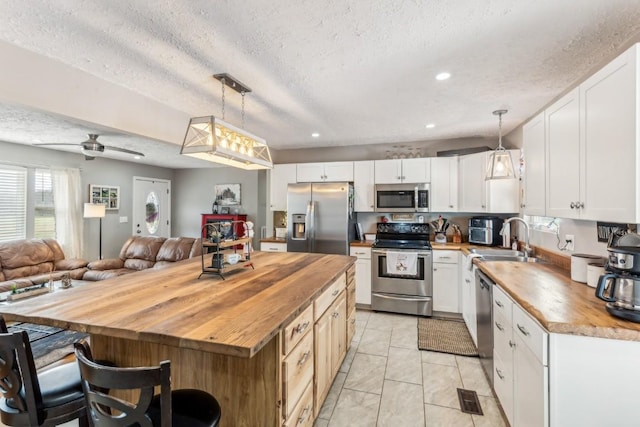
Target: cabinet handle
[[482, 206], [581, 205], [353, 321], [451, 206], [522, 205], [499, 304], [435, 269], [445, 257], [303, 416], [299, 328], [304, 358], [336, 292], [511, 344], [523, 330], [335, 314], [499, 326], [467, 280], [572, 205], [499, 372]]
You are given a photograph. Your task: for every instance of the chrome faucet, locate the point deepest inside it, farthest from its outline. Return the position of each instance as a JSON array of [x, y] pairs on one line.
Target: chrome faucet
[[527, 248]]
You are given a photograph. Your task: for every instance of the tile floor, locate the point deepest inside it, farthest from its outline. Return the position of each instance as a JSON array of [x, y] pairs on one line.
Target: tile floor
[[386, 381]]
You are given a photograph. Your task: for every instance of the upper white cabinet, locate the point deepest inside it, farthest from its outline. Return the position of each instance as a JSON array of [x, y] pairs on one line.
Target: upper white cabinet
[[592, 146], [444, 184], [280, 177], [325, 172], [394, 171], [533, 136], [363, 186]]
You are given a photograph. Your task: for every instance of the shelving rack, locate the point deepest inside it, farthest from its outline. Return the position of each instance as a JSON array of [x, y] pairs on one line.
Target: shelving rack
[[219, 241]]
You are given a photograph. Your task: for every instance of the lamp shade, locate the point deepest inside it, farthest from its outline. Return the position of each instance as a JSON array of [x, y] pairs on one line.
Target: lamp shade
[[214, 140], [500, 165], [94, 210]]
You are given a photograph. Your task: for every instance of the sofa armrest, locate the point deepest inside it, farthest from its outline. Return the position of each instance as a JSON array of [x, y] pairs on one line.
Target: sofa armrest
[[106, 264], [71, 264]]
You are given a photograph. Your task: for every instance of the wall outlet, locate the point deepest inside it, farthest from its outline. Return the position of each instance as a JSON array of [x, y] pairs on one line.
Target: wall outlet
[[123, 219], [569, 240]]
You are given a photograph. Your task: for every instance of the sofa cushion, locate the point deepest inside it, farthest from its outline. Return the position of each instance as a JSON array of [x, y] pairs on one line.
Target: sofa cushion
[[138, 264], [142, 248], [22, 258], [106, 264], [175, 249], [70, 264]]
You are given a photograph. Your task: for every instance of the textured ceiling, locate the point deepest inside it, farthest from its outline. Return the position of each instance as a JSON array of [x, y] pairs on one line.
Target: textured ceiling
[[357, 72]]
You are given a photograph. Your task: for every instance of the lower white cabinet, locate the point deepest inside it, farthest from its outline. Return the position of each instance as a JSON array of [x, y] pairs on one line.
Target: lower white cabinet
[[363, 273], [468, 296], [446, 295], [273, 247]]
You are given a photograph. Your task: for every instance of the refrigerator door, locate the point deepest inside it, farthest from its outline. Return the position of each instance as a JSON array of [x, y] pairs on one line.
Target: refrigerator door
[[331, 225], [298, 218]]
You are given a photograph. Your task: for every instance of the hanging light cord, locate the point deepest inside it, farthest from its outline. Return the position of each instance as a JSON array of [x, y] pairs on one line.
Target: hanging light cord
[[242, 93], [223, 97], [500, 131]]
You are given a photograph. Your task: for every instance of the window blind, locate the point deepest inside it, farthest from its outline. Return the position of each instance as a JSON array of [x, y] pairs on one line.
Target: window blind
[[44, 215], [13, 202]]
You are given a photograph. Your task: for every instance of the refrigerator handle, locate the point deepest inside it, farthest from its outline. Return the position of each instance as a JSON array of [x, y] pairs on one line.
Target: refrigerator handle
[[307, 227], [312, 232]]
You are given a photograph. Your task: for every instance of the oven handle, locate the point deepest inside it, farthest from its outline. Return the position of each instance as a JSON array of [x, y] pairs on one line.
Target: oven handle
[[402, 298], [384, 251]]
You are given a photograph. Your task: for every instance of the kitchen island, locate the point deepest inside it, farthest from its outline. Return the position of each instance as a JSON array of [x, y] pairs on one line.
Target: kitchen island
[[222, 336]]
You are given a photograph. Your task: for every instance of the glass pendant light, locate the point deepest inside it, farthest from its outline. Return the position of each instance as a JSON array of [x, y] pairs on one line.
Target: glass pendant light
[[500, 165]]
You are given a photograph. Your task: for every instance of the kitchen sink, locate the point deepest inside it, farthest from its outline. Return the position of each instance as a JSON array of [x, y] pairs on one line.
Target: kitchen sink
[[496, 252]]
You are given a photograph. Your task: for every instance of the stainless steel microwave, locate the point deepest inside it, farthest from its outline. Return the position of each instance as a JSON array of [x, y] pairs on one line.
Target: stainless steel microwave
[[402, 198]]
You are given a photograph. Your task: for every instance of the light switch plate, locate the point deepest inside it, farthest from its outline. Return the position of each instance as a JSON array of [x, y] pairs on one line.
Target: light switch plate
[[124, 219]]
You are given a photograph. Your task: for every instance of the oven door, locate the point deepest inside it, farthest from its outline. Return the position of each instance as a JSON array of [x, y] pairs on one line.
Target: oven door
[[420, 284]]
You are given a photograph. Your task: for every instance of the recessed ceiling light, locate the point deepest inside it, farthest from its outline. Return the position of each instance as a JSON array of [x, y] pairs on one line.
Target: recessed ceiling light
[[430, 126], [315, 134], [137, 157], [443, 76]]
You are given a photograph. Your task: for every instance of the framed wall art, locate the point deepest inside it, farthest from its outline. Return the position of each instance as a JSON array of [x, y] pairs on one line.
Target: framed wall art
[[108, 195], [227, 194]]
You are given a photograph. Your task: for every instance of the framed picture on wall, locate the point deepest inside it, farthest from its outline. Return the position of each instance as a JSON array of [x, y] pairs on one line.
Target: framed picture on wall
[[224, 210], [227, 194], [108, 195]]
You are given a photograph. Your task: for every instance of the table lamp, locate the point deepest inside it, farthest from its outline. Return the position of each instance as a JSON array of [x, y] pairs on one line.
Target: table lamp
[[95, 210]]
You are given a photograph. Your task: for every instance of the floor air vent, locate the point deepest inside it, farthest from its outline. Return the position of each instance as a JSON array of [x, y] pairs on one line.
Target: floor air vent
[[469, 402]]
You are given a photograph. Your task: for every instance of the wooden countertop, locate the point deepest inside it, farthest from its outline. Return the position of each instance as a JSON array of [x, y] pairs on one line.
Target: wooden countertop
[[560, 304], [361, 243], [272, 240], [171, 306]]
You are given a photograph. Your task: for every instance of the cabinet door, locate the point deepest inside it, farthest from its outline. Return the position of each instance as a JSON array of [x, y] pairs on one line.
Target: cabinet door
[[338, 333], [363, 186], [472, 186], [363, 281], [530, 388], [563, 156], [468, 297], [388, 171], [445, 288], [310, 172], [444, 184], [609, 137], [416, 171], [338, 171], [534, 171], [280, 177], [322, 362]]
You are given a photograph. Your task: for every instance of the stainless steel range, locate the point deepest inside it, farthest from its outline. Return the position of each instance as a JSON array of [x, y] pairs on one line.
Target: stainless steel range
[[401, 269]]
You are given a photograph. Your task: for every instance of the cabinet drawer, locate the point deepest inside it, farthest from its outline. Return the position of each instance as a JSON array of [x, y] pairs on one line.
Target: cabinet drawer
[[273, 247], [302, 414], [351, 327], [297, 373], [294, 332], [503, 384], [502, 338], [446, 257], [323, 302], [502, 304], [360, 252], [351, 276], [531, 333]]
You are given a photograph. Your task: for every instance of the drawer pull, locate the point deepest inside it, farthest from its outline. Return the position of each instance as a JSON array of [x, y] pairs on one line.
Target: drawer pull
[[336, 292], [511, 344], [353, 321], [499, 372], [304, 358], [335, 314], [523, 330], [444, 257], [499, 304], [300, 328], [499, 326], [303, 416], [467, 280]]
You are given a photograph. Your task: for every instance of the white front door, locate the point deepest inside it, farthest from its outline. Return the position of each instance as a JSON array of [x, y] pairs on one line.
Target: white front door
[[151, 207]]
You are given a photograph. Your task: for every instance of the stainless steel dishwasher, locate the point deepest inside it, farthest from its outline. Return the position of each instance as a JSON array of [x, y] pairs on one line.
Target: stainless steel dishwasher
[[484, 316]]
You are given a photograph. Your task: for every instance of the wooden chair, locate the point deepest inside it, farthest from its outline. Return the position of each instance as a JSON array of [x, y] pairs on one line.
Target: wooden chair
[[188, 408], [30, 398]]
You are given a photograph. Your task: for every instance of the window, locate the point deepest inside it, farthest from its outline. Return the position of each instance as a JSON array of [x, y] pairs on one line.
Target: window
[[44, 213], [13, 202]]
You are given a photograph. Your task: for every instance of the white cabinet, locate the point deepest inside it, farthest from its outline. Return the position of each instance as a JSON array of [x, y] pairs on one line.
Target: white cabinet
[[446, 295], [325, 172], [273, 246], [363, 273], [364, 186], [468, 296], [444, 184], [395, 171], [533, 136], [280, 177], [478, 195]]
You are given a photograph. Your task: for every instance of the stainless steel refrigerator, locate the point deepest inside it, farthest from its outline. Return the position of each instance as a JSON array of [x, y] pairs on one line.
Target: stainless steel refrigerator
[[320, 217]]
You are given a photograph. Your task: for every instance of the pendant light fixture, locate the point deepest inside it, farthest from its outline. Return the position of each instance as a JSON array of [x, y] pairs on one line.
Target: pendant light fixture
[[209, 138], [500, 163]]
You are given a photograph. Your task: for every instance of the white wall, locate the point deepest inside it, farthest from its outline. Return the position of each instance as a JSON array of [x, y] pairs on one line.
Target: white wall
[[586, 238]]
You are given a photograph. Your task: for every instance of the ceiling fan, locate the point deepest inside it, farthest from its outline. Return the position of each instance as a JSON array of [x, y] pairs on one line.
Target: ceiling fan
[[91, 147]]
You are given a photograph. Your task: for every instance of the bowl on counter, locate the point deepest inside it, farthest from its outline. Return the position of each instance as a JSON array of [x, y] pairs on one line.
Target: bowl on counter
[[233, 258]]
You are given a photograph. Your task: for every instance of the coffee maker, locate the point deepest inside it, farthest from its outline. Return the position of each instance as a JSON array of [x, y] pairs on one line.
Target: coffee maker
[[620, 286]]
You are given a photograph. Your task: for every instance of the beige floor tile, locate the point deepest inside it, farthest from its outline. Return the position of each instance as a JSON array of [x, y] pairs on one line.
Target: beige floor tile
[[348, 359], [320, 423], [375, 342], [438, 416], [355, 408], [401, 405], [492, 416], [363, 315], [381, 321], [440, 385], [404, 336], [332, 397], [366, 373], [439, 358], [473, 377], [360, 326], [405, 365]]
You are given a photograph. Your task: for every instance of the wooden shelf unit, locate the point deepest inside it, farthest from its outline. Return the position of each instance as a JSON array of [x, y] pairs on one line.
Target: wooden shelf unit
[[213, 248]]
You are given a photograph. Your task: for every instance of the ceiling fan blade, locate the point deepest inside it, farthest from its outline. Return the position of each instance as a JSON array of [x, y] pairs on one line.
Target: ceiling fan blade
[[57, 143], [124, 150], [89, 157]]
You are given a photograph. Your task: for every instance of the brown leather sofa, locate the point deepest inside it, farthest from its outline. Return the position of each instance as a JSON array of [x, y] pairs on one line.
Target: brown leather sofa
[[29, 262], [139, 253]]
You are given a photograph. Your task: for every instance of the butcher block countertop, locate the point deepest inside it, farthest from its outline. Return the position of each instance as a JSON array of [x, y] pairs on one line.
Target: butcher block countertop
[[171, 306], [560, 304]]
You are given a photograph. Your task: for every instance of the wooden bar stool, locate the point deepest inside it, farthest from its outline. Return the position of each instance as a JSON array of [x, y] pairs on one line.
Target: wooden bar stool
[[30, 398], [177, 408]]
